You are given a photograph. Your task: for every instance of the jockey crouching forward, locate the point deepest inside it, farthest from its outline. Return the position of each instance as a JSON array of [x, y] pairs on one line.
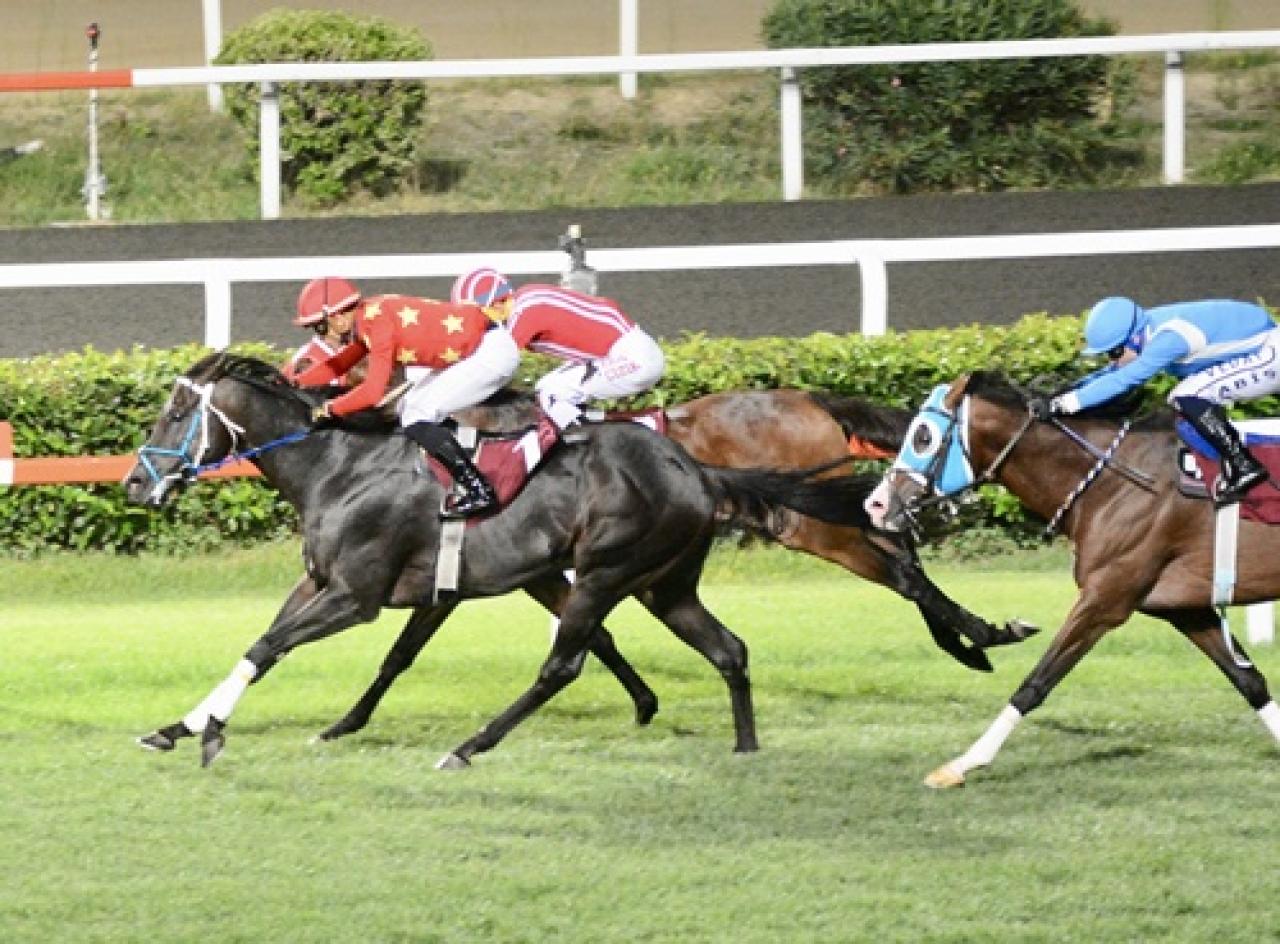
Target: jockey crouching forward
[[607, 355], [314, 308], [1221, 350], [454, 357]]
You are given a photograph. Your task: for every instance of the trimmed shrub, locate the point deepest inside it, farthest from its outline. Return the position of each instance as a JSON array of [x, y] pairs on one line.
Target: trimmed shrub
[[983, 125], [335, 137]]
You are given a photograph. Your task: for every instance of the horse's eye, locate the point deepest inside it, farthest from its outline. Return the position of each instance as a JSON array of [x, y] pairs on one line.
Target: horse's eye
[[922, 438], [175, 415]]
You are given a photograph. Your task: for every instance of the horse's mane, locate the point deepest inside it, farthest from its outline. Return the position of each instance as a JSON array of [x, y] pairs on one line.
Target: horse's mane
[[997, 388], [883, 426], [251, 370]]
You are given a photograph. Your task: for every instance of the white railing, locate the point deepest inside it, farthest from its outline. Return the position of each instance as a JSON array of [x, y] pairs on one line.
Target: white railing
[[871, 256], [1173, 46]]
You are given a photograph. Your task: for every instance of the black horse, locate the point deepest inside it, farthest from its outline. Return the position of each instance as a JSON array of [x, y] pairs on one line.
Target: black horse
[[628, 510]]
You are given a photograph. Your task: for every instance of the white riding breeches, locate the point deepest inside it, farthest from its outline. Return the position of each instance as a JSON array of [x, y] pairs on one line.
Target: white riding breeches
[[633, 365], [438, 392], [1241, 378]]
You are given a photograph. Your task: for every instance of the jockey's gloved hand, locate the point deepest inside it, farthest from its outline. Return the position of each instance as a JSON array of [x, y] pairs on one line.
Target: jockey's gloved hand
[[321, 417], [1042, 407]]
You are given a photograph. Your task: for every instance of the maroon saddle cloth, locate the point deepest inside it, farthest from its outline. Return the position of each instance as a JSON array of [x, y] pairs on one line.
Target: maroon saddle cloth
[[508, 460], [1199, 468]]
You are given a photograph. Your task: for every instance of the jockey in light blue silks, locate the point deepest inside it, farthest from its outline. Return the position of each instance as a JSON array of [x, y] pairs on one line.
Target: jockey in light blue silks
[[1220, 350]]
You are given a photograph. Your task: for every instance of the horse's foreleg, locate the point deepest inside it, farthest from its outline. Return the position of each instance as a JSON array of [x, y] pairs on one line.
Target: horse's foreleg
[[300, 621], [552, 592], [1204, 629], [1084, 627], [417, 632]]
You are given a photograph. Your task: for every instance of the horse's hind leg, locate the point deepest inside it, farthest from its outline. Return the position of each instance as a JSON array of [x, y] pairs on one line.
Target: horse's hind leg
[[552, 593], [1204, 629], [417, 632], [677, 605], [581, 617]]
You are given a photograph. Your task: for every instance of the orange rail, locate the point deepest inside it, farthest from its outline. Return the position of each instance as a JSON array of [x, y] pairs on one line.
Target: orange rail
[[82, 469], [45, 81]]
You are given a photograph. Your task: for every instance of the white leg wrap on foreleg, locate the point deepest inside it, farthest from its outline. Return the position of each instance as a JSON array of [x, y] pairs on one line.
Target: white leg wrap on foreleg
[[986, 747], [220, 702], [1270, 715]]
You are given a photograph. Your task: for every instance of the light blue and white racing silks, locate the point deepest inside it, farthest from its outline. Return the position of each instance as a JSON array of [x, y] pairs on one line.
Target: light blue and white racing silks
[[1223, 350], [935, 451]]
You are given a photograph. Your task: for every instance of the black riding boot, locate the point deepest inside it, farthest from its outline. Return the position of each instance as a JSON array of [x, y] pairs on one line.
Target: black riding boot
[[477, 495], [1241, 471]]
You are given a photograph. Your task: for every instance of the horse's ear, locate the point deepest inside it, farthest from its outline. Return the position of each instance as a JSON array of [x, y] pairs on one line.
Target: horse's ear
[[959, 387]]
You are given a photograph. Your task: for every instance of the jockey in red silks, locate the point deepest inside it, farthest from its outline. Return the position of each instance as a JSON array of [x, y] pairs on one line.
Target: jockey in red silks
[[454, 356], [606, 354]]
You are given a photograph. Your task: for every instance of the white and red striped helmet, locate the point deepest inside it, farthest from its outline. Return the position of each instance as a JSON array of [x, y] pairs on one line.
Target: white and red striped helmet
[[483, 287], [323, 297]]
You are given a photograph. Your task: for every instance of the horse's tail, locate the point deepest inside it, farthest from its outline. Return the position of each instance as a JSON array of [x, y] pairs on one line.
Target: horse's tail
[[752, 498], [882, 426]]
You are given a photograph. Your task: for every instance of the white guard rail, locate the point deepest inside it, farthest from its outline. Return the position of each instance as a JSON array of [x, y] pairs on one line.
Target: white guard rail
[[1172, 46]]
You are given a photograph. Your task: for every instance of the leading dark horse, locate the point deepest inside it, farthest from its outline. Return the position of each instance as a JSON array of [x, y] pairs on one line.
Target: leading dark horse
[[629, 511], [1140, 544]]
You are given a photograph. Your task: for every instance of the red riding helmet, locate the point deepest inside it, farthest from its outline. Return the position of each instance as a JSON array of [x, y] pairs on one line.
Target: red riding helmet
[[323, 297], [483, 287]]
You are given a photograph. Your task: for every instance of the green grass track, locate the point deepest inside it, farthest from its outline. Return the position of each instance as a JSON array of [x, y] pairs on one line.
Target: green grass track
[[1139, 804]]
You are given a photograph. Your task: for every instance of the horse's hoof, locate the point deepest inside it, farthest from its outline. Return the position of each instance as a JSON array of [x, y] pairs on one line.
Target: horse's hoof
[[452, 761], [1021, 629], [944, 778], [155, 741], [164, 739], [212, 741]]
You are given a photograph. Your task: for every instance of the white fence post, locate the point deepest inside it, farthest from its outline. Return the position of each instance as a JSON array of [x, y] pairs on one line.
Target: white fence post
[[212, 46], [792, 143], [217, 309], [875, 293], [1175, 96], [1260, 623], [628, 43], [269, 148]]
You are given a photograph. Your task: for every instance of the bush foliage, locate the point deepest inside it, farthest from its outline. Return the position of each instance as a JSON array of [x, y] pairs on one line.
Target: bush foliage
[[335, 137], [93, 403], [983, 125]]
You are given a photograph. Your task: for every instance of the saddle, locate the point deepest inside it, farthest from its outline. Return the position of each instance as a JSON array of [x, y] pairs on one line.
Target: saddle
[[508, 460], [1198, 467]]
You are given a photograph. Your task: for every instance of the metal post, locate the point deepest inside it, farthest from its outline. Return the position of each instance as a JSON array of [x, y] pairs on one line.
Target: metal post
[[269, 151], [212, 46], [792, 147], [628, 43], [94, 183], [1174, 118]]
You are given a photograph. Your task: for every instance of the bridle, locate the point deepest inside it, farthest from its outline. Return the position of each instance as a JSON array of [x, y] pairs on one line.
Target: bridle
[[191, 451], [950, 432]]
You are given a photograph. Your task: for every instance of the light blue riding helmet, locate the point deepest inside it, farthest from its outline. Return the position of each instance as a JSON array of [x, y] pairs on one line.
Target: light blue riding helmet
[[1110, 324]]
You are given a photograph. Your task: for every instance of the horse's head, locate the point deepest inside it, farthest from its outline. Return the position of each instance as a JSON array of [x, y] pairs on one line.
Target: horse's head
[[203, 421]]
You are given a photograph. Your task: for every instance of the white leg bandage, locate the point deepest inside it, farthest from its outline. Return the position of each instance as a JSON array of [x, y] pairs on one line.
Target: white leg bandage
[[222, 700], [1270, 715], [986, 747]]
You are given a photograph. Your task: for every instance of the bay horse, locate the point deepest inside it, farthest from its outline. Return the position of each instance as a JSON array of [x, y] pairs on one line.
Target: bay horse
[[780, 429], [1140, 544], [628, 510]]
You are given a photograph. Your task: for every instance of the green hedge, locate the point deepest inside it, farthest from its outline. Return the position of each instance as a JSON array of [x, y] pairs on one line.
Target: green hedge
[[94, 403]]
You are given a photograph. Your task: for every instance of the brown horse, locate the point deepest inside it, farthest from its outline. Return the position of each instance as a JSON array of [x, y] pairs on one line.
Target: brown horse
[[1140, 544], [782, 429]]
